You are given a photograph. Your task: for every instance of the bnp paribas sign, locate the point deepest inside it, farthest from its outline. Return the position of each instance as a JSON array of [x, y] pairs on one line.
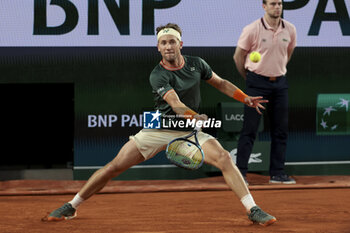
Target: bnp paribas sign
[[333, 114]]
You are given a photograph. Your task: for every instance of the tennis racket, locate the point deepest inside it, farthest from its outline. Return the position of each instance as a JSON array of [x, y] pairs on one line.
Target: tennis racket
[[185, 153]]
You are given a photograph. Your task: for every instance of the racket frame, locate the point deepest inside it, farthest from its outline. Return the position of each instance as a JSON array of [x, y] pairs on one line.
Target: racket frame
[[196, 143]]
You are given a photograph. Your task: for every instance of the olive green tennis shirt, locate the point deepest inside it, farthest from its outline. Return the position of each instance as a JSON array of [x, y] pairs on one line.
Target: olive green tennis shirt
[[184, 80]]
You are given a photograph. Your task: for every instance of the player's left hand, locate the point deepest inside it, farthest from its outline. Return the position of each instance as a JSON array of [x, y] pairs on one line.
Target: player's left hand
[[255, 102]]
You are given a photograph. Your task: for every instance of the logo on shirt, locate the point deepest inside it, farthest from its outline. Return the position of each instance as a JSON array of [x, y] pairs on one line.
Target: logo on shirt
[[263, 40], [285, 40], [192, 68], [151, 120], [160, 90]]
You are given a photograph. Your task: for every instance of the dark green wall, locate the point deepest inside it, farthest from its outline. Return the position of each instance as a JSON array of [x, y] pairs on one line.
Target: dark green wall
[[112, 80]]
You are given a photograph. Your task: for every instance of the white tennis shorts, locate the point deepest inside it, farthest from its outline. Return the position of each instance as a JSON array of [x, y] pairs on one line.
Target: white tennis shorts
[[151, 141]]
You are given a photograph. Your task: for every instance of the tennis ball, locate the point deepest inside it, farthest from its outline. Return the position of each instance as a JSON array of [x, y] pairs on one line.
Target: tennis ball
[[255, 56]]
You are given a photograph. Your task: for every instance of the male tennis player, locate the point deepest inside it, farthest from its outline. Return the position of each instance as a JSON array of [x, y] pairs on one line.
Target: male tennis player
[[175, 82]]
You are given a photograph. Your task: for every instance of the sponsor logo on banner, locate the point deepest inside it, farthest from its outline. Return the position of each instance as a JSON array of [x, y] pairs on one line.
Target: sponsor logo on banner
[[133, 23], [333, 115], [254, 157], [113, 120]]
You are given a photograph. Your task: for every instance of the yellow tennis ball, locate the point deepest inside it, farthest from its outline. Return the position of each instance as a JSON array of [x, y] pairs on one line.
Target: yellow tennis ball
[[255, 56]]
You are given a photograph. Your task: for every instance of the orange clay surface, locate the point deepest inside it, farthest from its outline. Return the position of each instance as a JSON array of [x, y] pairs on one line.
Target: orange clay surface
[[315, 204]]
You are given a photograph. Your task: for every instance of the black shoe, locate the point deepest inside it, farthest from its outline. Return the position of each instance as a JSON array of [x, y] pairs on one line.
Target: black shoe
[[282, 179], [257, 215], [65, 212]]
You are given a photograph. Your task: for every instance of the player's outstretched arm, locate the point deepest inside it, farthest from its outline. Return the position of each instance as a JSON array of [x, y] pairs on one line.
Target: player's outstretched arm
[[180, 108], [233, 91]]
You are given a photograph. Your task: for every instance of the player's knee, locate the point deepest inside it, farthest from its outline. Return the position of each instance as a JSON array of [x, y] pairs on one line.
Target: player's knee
[[111, 171], [224, 160]]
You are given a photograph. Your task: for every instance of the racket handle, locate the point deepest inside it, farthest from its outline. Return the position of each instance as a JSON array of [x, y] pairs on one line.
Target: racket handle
[[197, 128]]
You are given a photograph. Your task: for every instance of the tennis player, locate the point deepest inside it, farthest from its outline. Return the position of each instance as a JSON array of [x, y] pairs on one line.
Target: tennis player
[[175, 82]]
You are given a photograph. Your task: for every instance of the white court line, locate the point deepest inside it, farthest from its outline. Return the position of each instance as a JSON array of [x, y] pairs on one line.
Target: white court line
[[318, 163], [170, 165], [135, 167]]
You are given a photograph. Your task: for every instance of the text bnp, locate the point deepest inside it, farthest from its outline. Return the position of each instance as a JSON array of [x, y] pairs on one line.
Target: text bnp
[[120, 14], [108, 121]]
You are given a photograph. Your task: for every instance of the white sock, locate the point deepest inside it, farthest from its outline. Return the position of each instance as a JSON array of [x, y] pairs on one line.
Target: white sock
[[248, 202], [77, 200]]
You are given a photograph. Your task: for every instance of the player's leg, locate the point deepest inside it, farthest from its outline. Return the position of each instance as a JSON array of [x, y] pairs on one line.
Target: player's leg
[[128, 156], [220, 158], [144, 145]]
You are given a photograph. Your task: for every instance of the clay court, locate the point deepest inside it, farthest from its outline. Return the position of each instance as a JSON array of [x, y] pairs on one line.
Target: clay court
[[315, 204]]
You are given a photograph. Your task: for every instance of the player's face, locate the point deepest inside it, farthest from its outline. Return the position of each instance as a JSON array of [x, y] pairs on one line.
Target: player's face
[[169, 46], [273, 8]]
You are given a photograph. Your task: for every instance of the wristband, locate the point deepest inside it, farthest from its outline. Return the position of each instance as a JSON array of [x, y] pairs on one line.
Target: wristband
[[189, 114], [239, 95]]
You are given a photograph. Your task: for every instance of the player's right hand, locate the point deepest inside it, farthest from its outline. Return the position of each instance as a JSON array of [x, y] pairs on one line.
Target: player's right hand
[[200, 117]]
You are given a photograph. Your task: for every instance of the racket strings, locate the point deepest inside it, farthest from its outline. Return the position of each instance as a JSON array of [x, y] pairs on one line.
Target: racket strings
[[183, 152]]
